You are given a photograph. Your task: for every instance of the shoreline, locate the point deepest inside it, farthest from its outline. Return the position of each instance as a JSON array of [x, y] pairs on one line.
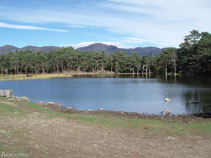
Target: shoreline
[[49, 75], [167, 117], [129, 115]]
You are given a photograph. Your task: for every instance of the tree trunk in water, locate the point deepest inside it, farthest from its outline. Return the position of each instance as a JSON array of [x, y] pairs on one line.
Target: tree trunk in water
[[175, 68], [149, 70], [166, 72]]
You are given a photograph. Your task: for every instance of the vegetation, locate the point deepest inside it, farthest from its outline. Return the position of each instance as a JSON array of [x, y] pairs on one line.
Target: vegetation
[[34, 76], [21, 109], [32, 130], [193, 56]]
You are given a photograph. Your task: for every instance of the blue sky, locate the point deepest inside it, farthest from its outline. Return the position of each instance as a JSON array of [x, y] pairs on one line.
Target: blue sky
[[124, 23]]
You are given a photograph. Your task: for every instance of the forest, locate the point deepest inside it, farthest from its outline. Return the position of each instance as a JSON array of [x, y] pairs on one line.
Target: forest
[[193, 56]]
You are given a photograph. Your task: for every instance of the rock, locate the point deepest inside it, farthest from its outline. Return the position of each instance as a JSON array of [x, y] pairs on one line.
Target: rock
[[95, 145], [100, 109], [50, 102], [204, 114], [171, 138], [25, 98], [22, 98], [167, 100], [193, 102], [166, 112]]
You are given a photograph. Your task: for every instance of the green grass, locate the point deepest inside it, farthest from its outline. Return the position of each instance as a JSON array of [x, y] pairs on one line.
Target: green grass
[[9, 110], [35, 106], [202, 126], [48, 112], [153, 126]]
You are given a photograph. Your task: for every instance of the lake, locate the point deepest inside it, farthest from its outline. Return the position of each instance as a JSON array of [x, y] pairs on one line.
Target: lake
[[129, 94]]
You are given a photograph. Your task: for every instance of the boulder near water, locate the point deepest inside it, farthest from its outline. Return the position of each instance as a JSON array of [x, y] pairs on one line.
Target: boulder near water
[[167, 100]]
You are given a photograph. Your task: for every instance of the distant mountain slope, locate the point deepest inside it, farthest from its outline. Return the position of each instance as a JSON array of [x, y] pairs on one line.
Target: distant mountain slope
[[9, 48], [99, 47], [43, 49]]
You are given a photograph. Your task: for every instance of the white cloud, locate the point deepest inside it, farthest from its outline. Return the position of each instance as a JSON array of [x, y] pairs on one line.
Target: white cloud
[[76, 26], [162, 22], [135, 40], [28, 27]]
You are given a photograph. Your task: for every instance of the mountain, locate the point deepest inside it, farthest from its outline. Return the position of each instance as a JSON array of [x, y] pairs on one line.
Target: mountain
[[9, 48], [43, 49], [99, 47]]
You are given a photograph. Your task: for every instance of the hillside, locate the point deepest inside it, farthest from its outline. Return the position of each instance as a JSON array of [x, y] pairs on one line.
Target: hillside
[[99, 47], [9, 48]]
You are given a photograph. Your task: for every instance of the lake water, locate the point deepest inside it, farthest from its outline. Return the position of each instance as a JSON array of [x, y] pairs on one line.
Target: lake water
[[142, 95]]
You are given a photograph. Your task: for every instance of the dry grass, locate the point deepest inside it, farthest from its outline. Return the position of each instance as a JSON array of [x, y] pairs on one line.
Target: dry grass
[[34, 76], [48, 76]]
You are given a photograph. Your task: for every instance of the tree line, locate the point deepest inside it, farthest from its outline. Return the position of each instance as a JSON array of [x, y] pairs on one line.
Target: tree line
[[193, 56]]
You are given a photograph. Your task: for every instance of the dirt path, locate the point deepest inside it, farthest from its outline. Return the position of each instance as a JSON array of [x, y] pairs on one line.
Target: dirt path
[[42, 136]]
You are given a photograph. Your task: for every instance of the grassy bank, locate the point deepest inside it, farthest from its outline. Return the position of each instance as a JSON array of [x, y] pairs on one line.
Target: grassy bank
[[33, 76], [48, 76], [148, 125]]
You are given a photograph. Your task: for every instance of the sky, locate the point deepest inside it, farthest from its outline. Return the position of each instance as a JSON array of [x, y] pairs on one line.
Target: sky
[[123, 23]]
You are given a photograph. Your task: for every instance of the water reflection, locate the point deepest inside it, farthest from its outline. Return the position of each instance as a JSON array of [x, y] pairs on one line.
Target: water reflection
[[198, 89]]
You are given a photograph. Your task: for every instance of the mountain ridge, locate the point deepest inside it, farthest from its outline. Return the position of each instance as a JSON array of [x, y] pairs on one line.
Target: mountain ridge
[[10, 48], [97, 47]]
